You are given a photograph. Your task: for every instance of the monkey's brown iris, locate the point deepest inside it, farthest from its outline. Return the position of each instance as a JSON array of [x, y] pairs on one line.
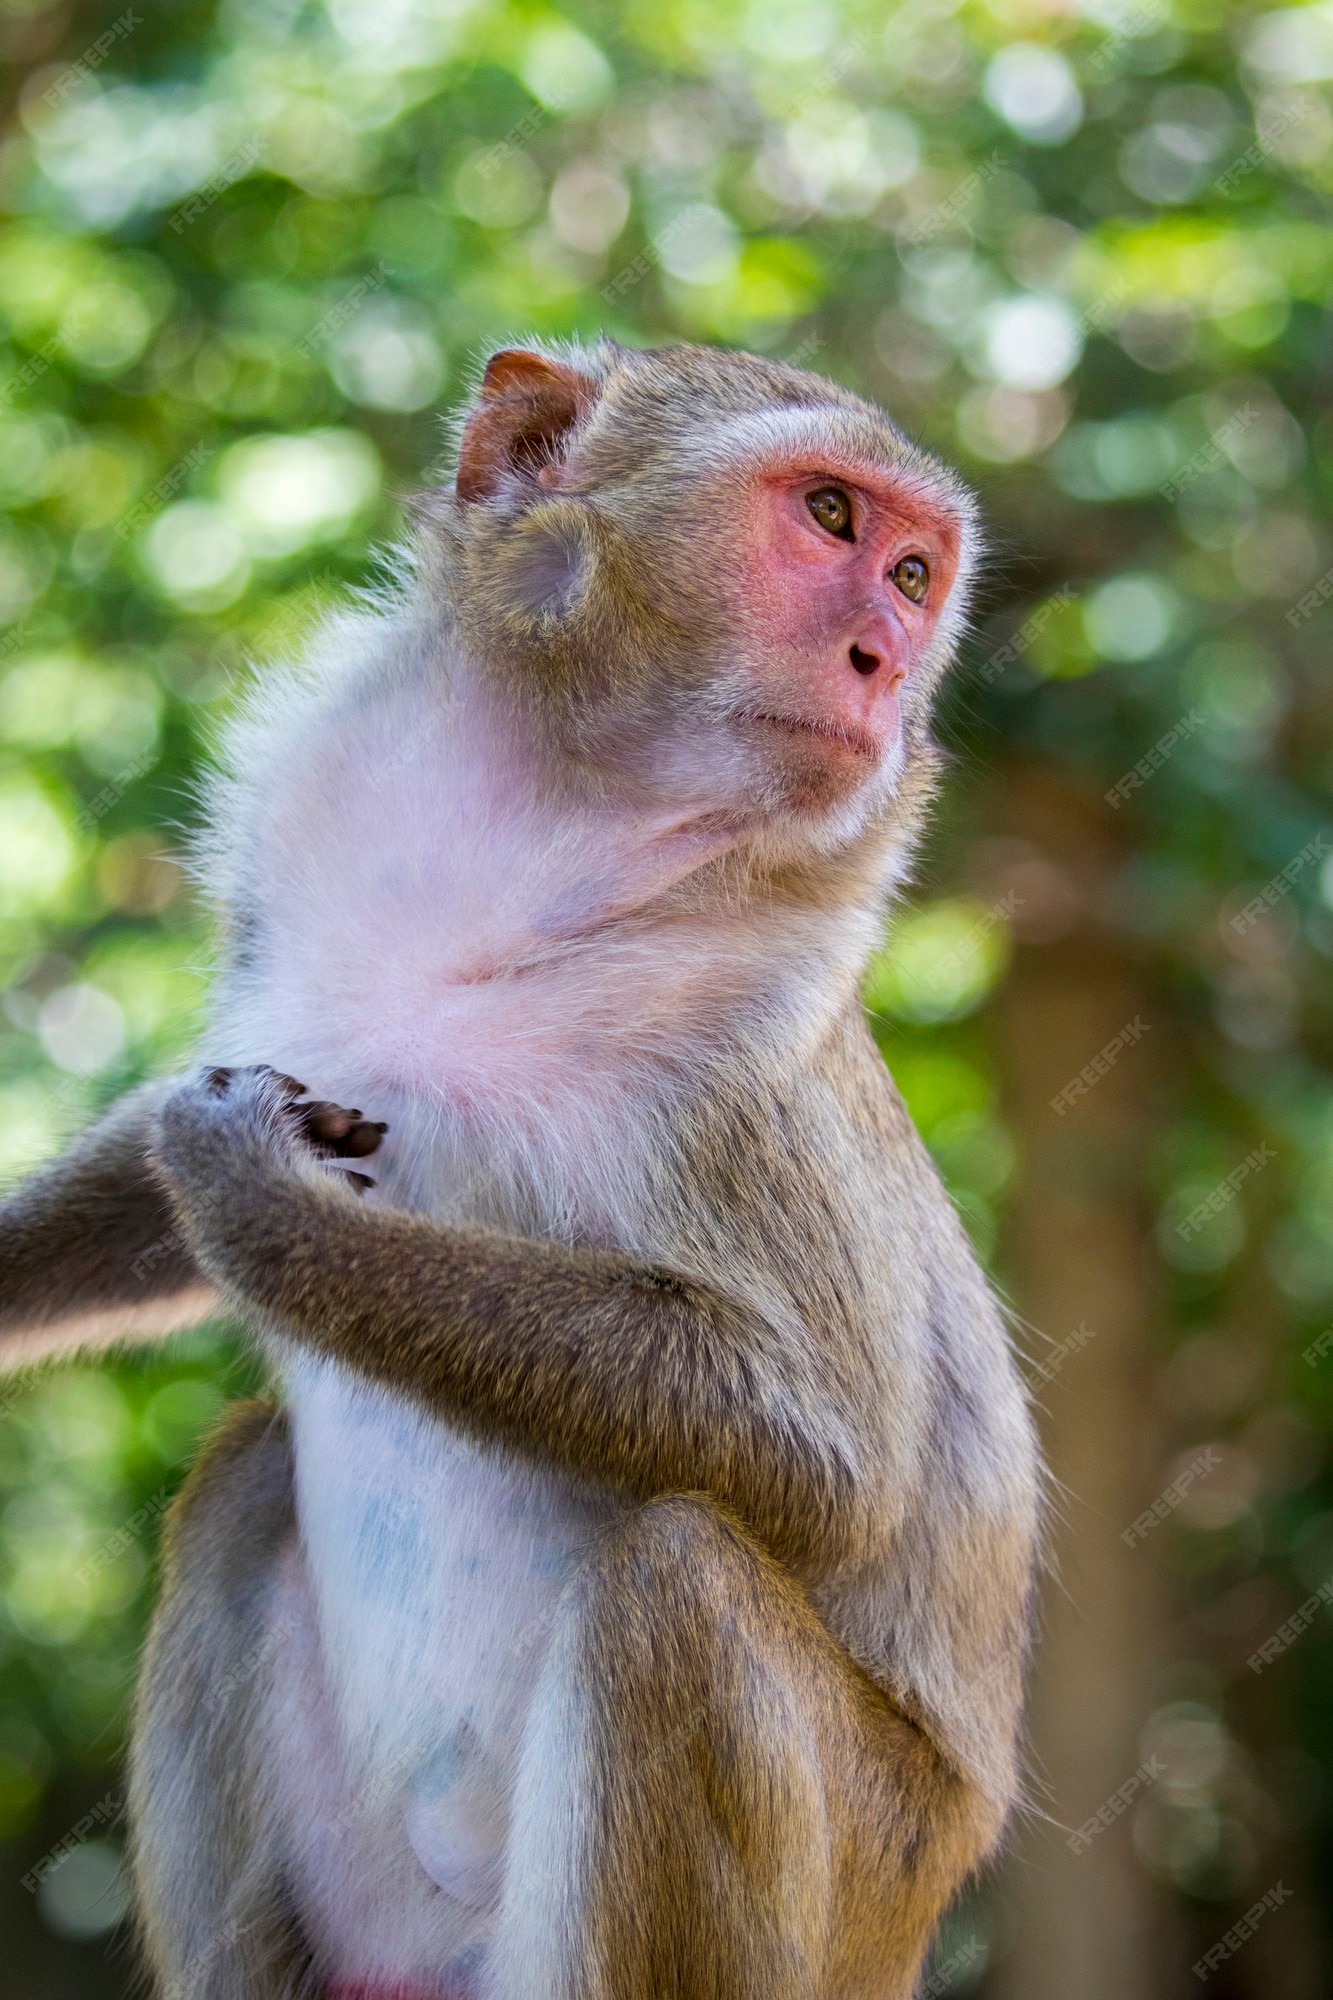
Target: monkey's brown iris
[[833, 510], [912, 576]]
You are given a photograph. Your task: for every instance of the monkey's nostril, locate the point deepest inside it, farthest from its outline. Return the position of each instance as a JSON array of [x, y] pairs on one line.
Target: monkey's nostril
[[865, 663]]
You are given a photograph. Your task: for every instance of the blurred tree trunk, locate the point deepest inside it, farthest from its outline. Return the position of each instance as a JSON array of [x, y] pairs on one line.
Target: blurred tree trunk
[[1087, 1925]]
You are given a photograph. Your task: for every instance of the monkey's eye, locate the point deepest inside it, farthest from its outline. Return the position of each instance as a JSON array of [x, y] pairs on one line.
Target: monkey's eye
[[833, 510], [912, 576]]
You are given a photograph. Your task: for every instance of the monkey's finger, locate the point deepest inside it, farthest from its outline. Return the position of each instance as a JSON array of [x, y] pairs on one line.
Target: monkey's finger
[[337, 1130], [285, 1083], [357, 1182], [324, 1122], [363, 1138]]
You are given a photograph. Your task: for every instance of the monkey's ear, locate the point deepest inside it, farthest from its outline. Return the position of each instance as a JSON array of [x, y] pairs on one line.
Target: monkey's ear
[[528, 407]]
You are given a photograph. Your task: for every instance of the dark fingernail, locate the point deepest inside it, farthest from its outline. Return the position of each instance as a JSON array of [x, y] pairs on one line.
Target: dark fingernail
[[360, 1181], [362, 1139]]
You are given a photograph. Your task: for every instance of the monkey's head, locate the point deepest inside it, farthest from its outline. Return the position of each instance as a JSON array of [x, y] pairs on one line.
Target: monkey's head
[[714, 581]]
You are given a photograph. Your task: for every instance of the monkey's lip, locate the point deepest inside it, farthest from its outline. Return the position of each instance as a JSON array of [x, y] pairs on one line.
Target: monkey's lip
[[849, 735]]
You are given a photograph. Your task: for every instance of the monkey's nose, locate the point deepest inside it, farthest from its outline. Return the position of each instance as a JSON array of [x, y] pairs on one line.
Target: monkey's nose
[[865, 663]]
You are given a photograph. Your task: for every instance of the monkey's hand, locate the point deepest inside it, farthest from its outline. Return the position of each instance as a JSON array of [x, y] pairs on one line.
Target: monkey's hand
[[234, 1147], [576, 1356]]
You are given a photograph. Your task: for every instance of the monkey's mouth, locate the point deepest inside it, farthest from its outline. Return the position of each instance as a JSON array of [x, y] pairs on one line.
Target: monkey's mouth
[[846, 735]]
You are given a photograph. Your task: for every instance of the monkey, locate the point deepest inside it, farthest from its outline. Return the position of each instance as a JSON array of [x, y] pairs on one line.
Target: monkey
[[626, 1589]]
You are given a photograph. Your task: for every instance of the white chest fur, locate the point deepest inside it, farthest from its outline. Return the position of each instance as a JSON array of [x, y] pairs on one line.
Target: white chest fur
[[425, 948]]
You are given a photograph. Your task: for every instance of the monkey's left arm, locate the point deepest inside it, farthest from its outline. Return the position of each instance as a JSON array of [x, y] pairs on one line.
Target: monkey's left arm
[[585, 1358]]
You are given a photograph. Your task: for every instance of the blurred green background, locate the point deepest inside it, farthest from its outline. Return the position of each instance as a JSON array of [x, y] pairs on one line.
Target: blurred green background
[[250, 253]]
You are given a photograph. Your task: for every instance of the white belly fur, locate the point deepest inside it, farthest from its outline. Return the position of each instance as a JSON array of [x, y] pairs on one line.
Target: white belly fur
[[411, 1623]]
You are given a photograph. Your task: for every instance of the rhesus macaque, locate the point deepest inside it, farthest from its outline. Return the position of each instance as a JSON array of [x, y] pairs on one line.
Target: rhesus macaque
[[627, 1596]]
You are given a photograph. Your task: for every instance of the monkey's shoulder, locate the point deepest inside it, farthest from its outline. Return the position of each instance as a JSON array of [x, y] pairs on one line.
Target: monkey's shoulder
[[813, 1186], [820, 1149]]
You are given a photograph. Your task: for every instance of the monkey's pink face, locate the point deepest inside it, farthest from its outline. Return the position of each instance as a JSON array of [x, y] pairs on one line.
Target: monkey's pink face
[[843, 575]]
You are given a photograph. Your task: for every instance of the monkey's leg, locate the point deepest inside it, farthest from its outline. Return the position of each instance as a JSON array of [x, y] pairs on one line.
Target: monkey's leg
[[713, 1802], [90, 1248], [214, 1916]]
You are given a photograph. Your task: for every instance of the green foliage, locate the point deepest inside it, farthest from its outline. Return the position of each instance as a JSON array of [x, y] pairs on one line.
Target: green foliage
[[250, 252]]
